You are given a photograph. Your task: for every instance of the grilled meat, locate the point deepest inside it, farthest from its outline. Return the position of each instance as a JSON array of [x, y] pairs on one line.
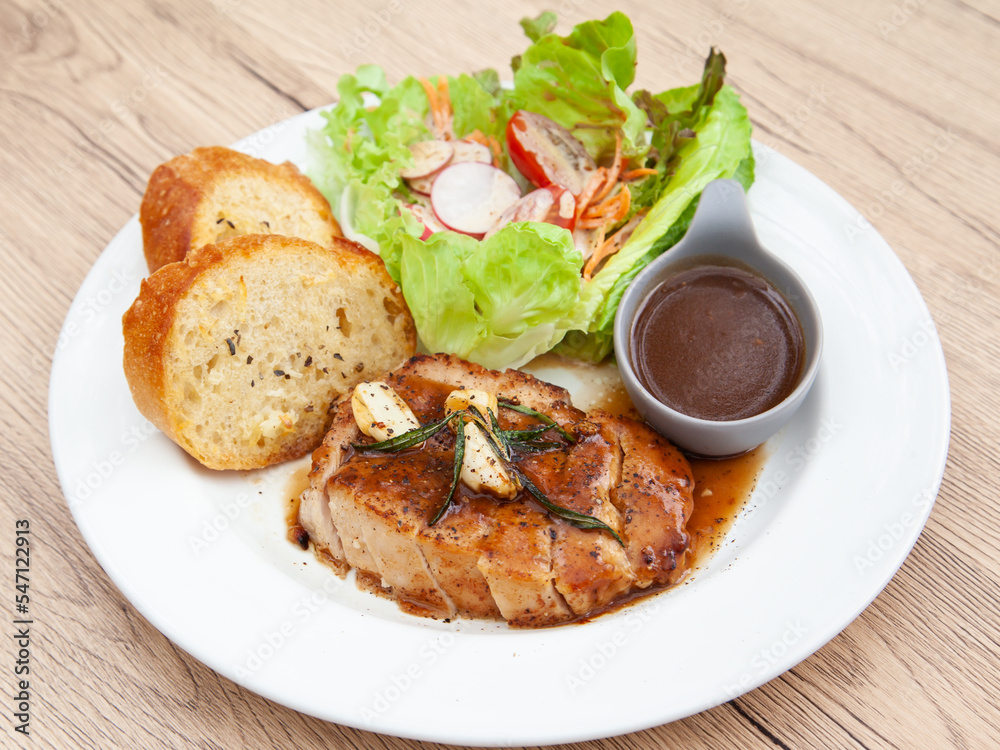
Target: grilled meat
[[493, 558]]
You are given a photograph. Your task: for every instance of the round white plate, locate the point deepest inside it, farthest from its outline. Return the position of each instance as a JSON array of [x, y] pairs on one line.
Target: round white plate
[[850, 483]]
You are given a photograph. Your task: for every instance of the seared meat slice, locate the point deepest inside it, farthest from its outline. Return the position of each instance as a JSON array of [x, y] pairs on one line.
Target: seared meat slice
[[654, 496], [491, 558], [591, 568], [314, 513], [516, 562]]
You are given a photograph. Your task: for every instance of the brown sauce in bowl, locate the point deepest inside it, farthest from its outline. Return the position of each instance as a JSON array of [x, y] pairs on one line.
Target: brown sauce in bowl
[[718, 342]]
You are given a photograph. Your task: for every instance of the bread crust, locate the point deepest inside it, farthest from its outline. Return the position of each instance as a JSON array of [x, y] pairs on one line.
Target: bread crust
[[148, 323], [179, 188]]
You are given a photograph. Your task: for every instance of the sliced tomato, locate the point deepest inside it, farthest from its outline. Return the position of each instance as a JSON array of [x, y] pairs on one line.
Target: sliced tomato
[[546, 153], [563, 213]]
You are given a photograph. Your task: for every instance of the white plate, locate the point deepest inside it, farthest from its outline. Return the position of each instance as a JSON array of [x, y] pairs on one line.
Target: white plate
[[203, 556]]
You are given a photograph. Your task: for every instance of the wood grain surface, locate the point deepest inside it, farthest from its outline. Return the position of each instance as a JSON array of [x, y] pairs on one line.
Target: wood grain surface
[[895, 104]]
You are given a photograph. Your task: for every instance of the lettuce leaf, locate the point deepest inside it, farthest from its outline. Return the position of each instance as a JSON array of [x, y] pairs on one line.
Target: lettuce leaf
[[581, 79], [499, 302], [356, 158], [721, 148], [536, 28]]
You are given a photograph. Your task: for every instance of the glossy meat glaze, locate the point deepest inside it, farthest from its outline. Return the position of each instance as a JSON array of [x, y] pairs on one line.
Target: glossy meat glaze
[[487, 558]]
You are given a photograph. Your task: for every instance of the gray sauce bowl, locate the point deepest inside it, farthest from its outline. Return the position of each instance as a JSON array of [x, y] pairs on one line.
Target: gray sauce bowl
[[721, 230]]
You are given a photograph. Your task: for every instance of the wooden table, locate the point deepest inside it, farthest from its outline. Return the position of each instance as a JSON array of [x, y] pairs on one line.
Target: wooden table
[[894, 104]]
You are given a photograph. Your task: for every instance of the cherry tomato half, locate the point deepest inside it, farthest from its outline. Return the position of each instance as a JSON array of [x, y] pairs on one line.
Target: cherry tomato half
[[546, 153]]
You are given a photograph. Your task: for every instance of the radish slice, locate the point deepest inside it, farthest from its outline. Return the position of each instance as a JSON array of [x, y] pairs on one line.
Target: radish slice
[[535, 206], [469, 197], [566, 210], [424, 184], [586, 241], [471, 151], [428, 157], [552, 205], [426, 217], [463, 151]]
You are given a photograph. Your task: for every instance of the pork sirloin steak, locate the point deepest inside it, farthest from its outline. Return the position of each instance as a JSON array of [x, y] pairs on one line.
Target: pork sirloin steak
[[487, 558]]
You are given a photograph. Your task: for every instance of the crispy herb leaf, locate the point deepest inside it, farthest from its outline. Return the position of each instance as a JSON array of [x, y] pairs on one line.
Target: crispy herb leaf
[[502, 444], [459, 457], [497, 443], [544, 418], [500, 434], [536, 445], [580, 520], [407, 439], [528, 434]]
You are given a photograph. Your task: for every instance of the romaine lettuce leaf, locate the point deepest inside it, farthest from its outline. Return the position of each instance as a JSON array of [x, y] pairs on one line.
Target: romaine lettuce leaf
[[720, 149]]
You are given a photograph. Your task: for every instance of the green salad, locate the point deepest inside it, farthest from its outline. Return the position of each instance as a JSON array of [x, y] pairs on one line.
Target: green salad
[[514, 217]]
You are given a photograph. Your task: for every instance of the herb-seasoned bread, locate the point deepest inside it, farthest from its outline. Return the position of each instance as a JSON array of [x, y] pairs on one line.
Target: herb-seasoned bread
[[238, 352], [215, 192]]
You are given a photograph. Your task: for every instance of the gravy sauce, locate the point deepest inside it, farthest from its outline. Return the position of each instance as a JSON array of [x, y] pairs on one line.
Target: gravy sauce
[[718, 342]]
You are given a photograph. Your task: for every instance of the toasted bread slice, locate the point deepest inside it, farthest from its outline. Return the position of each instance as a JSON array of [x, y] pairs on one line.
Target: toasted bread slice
[[239, 351], [215, 192]]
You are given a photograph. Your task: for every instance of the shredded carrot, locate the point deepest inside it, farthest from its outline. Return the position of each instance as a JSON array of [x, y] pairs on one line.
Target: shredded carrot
[[590, 189], [614, 171], [440, 105], [446, 110], [478, 136], [592, 223], [611, 245], [615, 208], [607, 248], [497, 150], [432, 100], [635, 173], [626, 203], [491, 142], [588, 242], [602, 209], [600, 184]]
